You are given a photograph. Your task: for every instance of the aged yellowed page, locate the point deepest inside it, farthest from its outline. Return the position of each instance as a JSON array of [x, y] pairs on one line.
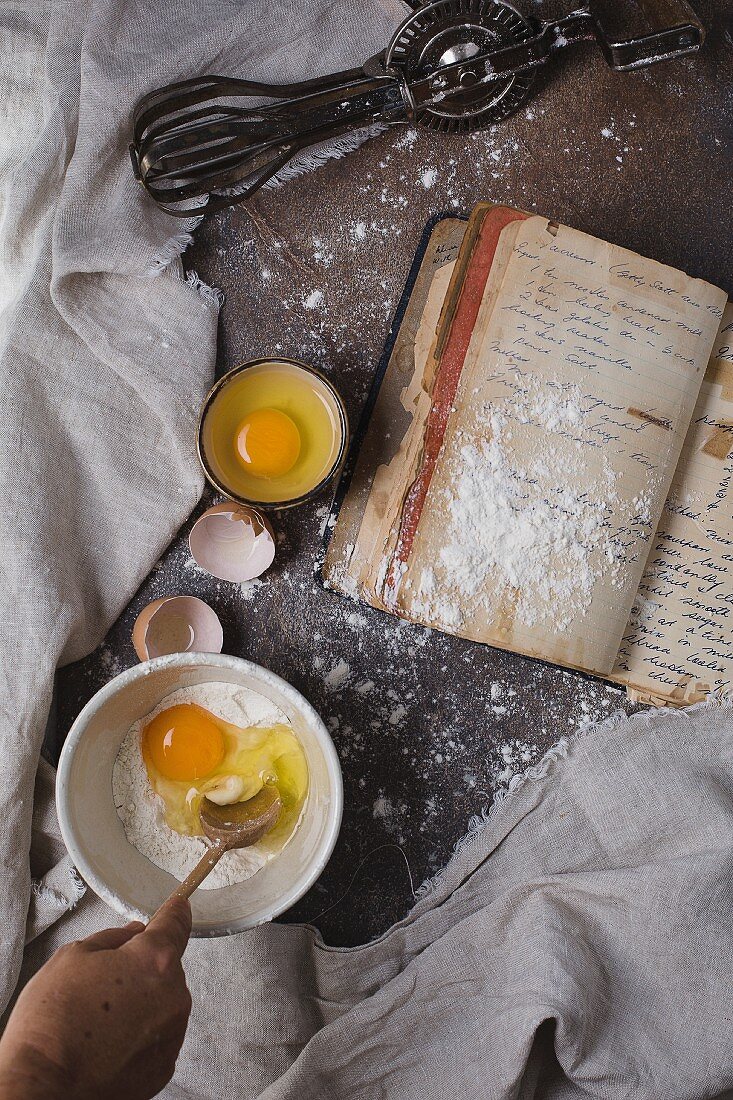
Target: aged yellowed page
[[574, 401], [390, 450], [378, 530], [679, 642], [420, 395], [394, 447]]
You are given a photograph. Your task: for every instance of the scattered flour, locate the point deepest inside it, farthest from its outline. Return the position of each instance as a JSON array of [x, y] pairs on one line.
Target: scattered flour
[[249, 589], [109, 662], [314, 299], [428, 178], [407, 140], [391, 815], [323, 514], [644, 611], [141, 810], [382, 808], [337, 677], [337, 335]]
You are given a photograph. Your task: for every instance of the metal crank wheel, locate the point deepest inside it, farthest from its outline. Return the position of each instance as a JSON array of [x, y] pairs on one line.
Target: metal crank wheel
[[450, 31]]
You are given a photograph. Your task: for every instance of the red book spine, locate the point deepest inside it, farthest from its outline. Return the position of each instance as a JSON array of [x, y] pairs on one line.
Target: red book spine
[[446, 385]]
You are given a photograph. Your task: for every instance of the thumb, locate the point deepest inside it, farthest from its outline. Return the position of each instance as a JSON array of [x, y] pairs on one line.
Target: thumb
[[110, 938], [170, 926]]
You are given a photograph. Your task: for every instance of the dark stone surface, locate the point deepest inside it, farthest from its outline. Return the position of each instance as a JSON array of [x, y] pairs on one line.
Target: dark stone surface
[[642, 159]]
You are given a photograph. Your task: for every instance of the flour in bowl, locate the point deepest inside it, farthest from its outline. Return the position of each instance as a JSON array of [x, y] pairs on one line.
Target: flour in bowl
[[141, 810]]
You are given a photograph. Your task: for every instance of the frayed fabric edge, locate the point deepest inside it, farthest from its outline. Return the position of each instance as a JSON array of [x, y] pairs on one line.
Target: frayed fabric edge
[[559, 751], [318, 155], [172, 251], [80, 886], [57, 898], [173, 248], [168, 261], [210, 294], [53, 896]]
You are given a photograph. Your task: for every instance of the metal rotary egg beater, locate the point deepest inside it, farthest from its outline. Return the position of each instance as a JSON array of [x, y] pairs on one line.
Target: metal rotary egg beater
[[453, 65]]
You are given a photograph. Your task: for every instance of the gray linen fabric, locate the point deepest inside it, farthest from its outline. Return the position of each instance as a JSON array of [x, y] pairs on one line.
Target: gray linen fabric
[[579, 943]]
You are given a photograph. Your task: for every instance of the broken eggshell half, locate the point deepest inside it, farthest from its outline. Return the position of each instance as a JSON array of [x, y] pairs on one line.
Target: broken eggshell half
[[176, 624], [232, 542]]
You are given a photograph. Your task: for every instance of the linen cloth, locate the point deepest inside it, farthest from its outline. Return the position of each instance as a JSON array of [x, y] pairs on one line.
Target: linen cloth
[[579, 943]]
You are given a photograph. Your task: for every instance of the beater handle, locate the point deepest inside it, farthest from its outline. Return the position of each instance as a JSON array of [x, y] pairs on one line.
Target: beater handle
[[635, 33]]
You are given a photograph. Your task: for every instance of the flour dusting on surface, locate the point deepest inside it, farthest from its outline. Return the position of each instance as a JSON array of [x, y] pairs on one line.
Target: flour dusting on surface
[[338, 675], [249, 589], [428, 178], [314, 299]]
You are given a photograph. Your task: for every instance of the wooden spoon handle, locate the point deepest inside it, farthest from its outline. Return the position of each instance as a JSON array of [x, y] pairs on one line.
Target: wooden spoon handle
[[206, 864]]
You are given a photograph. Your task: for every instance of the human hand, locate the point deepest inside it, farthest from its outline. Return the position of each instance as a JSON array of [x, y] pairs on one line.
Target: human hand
[[105, 1018]]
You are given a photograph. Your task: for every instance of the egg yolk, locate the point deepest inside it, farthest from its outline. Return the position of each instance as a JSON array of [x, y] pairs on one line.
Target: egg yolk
[[183, 742], [267, 443]]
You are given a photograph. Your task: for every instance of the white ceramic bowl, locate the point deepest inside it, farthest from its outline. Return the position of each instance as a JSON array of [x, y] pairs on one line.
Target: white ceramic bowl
[[93, 832]]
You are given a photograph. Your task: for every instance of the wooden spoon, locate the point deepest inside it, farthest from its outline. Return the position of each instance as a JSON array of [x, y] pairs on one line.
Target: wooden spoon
[[238, 825]]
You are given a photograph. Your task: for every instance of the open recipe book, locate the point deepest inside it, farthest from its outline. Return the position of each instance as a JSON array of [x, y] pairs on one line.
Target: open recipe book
[[548, 461]]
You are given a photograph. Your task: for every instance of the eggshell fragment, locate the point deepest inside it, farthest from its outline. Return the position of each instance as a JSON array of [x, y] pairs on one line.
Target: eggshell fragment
[[232, 542], [176, 624]]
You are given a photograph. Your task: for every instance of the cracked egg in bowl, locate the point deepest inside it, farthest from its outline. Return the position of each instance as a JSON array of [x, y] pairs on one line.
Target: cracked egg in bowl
[[276, 737]]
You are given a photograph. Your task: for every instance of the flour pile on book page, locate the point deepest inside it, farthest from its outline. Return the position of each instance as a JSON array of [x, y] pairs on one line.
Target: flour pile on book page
[[531, 470]]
